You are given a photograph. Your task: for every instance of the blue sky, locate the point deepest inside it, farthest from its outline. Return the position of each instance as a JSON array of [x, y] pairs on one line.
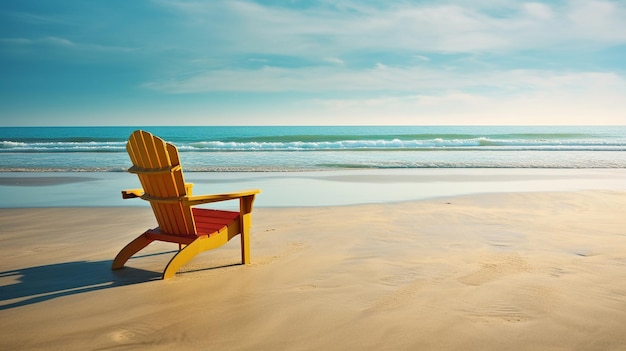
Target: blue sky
[[296, 62]]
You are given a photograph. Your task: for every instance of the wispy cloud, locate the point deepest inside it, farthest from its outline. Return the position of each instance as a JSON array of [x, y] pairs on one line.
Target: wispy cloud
[[334, 60], [62, 44], [305, 79], [357, 57], [602, 103], [354, 37], [34, 18], [381, 78], [461, 27], [56, 41]]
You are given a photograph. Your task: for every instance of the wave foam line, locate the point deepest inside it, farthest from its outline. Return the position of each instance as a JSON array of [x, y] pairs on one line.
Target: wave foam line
[[92, 146], [476, 144], [398, 144]]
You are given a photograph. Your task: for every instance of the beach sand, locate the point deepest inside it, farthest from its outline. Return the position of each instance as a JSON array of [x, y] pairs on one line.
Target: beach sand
[[507, 271]]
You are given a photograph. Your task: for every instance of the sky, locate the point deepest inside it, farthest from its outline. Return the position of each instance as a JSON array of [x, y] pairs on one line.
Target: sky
[[303, 62]]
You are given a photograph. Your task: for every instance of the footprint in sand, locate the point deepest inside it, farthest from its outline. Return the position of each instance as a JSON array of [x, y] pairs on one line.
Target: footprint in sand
[[132, 332], [291, 248], [122, 335], [399, 297], [523, 304], [495, 268]]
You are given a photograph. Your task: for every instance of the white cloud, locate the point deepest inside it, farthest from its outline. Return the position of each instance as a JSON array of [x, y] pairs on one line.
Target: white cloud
[[600, 105], [58, 41], [602, 21], [382, 77], [528, 97], [334, 60], [309, 79], [421, 27], [46, 40], [538, 10], [64, 44], [414, 57]]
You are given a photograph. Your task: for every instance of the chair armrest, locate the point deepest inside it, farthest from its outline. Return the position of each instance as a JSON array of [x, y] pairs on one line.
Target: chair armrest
[[134, 193], [205, 199], [131, 193]]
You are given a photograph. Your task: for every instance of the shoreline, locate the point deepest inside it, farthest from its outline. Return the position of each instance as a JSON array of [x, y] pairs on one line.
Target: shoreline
[[305, 189], [516, 270]]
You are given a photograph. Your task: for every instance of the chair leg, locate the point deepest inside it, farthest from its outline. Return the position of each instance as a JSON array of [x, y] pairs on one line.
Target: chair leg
[[245, 238], [182, 257], [129, 250], [201, 244]]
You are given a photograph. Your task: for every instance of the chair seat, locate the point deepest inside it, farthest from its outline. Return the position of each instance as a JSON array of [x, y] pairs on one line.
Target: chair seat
[[210, 221]]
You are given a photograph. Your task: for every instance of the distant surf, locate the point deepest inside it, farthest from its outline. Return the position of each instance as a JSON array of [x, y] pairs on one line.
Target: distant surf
[[38, 149]]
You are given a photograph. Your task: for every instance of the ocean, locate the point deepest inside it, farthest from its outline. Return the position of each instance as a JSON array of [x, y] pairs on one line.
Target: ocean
[[314, 166], [313, 148]]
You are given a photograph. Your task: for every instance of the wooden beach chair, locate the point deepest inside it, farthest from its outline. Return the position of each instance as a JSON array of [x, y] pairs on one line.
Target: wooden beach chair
[[194, 229]]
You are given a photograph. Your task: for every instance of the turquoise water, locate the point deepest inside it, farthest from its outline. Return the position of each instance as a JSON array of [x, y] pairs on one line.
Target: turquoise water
[[279, 149]]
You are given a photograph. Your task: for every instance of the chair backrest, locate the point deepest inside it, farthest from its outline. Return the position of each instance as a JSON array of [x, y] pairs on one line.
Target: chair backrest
[[158, 166]]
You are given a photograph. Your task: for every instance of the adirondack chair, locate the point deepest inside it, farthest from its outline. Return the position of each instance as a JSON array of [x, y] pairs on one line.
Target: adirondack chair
[[194, 229]]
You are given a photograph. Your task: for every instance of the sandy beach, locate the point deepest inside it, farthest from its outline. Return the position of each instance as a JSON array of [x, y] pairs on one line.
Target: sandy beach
[[501, 271], [433, 175]]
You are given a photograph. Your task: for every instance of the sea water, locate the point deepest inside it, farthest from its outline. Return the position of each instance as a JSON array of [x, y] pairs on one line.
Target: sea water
[[314, 166], [286, 149]]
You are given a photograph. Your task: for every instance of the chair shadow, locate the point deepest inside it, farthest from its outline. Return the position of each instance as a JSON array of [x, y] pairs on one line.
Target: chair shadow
[[31, 285]]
